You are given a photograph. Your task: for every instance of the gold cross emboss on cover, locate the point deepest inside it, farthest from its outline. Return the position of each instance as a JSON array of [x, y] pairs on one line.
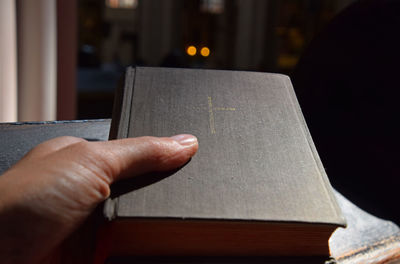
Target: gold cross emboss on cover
[[211, 111]]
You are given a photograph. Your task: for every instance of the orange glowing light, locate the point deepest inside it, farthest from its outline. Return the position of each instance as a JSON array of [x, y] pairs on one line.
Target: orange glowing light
[[205, 52], [191, 50]]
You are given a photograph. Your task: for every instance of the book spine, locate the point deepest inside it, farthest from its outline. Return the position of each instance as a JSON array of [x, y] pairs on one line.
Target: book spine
[[122, 100]]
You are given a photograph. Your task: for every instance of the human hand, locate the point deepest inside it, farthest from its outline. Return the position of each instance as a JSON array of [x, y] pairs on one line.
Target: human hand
[[47, 195]]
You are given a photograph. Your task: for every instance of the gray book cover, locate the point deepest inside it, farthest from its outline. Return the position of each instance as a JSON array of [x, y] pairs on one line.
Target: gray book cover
[[256, 159]]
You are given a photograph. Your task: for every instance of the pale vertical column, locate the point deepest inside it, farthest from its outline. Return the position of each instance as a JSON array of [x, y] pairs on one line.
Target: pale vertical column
[[250, 39], [8, 62], [155, 29], [243, 34], [259, 23], [37, 60]]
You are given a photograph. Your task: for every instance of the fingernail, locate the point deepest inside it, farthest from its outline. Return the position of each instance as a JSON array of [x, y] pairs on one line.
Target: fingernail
[[185, 139]]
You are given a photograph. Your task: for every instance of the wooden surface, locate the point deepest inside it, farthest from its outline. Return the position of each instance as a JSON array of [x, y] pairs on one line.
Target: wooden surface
[[366, 239]]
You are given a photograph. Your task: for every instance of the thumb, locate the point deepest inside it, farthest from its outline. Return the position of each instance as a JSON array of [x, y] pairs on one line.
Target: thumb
[[123, 158], [45, 197]]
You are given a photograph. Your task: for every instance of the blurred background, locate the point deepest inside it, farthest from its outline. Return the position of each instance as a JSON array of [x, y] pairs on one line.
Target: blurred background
[[254, 35], [75, 51], [62, 59]]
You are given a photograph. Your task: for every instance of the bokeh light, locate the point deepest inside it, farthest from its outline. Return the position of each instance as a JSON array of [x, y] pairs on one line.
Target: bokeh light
[[191, 50], [205, 52]]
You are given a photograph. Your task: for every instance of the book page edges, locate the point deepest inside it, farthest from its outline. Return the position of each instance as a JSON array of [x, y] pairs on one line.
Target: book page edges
[[340, 220]]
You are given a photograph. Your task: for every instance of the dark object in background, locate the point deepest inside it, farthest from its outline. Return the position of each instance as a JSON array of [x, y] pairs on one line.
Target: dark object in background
[[175, 59], [348, 86], [96, 92]]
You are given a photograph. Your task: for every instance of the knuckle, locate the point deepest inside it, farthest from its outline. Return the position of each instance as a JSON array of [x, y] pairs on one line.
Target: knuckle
[[85, 148], [104, 164]]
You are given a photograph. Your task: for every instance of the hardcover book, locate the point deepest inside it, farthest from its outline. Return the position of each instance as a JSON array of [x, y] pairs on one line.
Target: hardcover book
[[365, 239], [256, 187]]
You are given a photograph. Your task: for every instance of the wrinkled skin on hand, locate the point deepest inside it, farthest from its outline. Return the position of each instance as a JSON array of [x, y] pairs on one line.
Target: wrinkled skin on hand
[[47, 196]]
